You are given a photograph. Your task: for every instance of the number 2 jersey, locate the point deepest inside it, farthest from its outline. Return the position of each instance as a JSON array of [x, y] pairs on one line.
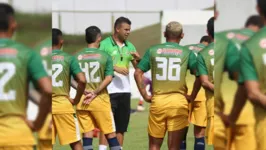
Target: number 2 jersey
[[96, 65], [18, 66], [169, 63], [63, 67]]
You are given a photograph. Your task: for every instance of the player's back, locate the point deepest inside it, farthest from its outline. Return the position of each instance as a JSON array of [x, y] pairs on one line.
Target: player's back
[[96, 65], [16, 70], [169, 64]]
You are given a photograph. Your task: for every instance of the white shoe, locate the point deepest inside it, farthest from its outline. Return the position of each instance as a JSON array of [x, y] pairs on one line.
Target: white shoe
[[140, 108]]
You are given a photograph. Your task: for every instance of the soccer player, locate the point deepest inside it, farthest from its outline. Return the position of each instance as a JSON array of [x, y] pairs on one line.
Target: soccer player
[[205, 69], [197, 109], [252, 78], [19, 65], [95, 110], [122, 52], [227, 59], [169, 103], [65, 123], [45, 134]]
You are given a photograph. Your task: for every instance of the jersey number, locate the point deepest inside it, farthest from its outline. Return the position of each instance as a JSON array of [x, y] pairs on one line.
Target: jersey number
[[90, 69], [170, 68], [264, 59], [8, 70], [58, 68], [212, 63]]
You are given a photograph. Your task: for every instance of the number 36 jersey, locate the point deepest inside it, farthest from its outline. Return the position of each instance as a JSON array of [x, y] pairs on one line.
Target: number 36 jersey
[[169, 63], [63, 67]]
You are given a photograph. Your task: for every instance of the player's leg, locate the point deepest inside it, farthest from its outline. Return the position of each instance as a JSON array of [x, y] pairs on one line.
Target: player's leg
[[114, 99], [122, 116], [105, 120], [67, 127], [155, 143], [87, 125], [175, 138], [183, 145]]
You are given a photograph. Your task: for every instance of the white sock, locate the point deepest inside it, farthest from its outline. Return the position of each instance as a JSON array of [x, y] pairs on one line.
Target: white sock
[[102, 147]]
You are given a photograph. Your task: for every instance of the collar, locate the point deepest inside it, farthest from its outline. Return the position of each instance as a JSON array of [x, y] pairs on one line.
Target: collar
[[114, 42]]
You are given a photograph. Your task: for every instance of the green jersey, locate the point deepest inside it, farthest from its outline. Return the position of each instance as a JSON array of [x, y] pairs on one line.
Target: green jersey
[[96, 65], [253, 59], [196, 48], [45, 50], [205, 65], [63, 67], [169, 63], [18, 65]]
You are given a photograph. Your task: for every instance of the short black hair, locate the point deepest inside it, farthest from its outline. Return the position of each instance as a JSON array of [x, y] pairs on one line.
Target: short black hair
[[205, 38], [262, 7], [91, 34], [55, 36], [5, 12], [210, 26], [255, 20], [121, 20]]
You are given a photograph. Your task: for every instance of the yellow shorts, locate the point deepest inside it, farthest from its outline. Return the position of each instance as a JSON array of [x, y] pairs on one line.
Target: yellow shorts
[[90, 120], [17, 148], [242, 137], [45, 145], [260, 128], [67, 128], [209, 131], [46, 132], [167, 113], [14, 132], [198, 113]]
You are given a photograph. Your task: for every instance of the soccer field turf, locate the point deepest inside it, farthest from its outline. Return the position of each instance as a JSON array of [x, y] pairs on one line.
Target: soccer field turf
[[137, 137]]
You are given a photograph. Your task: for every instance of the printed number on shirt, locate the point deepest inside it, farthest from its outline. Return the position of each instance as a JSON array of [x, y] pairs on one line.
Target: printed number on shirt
[[7, 72], [57, 68], [170, 68], [212, 63], [264, 58], [90, 70]]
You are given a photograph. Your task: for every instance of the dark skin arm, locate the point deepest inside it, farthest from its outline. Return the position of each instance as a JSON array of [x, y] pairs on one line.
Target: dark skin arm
[[138, 75], [80, 86], [206, 84], [254, 93]]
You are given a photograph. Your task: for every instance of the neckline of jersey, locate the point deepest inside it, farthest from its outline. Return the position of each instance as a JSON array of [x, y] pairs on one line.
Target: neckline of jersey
[[56, 51], [114, 42]]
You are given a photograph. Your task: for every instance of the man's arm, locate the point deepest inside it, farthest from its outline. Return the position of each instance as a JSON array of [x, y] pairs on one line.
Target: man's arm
[[250, 78], [79, 78], [136, 59], [203, 72], [138, 75], [38, 74], [193, 70]]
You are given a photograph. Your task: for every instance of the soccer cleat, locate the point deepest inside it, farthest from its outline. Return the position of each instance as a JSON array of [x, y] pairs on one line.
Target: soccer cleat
[[140, 108]]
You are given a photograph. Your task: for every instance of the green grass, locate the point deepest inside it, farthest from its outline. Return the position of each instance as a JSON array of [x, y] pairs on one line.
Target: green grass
[[137, 137]]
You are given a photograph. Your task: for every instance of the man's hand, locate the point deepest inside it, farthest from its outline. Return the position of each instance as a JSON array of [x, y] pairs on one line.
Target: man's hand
[[147, 98], [71, 101], [89, 97], [189, 98], [135, 55], [121, 70]]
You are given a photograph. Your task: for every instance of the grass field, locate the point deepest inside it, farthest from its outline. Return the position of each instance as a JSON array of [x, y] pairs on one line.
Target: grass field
[[137, 137]]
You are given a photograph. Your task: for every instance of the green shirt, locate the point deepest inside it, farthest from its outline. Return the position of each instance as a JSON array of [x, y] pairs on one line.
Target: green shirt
[[168, 63], [63, 66], [96, 65], [45, 50], [253, 59], [120, 56], [18, 66]]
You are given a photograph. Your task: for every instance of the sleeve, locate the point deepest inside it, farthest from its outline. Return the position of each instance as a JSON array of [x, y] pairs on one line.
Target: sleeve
[[35, 67], [201, 66], [232, 60], [74, 66], [247, 68], [144, 64], [109, 69], [192, 62]]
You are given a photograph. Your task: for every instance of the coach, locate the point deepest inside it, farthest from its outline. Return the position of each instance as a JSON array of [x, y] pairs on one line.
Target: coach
[[122, 52]]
